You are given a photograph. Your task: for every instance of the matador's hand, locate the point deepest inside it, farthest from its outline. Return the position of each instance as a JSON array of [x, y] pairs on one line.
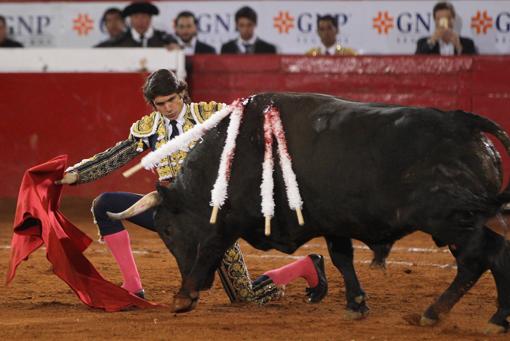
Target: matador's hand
[[68, 179]]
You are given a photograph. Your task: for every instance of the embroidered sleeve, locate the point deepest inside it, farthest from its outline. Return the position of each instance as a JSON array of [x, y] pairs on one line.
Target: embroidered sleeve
[[106, 162]]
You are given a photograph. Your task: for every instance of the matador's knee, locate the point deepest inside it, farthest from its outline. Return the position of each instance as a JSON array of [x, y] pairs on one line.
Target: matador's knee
[[236, 280]]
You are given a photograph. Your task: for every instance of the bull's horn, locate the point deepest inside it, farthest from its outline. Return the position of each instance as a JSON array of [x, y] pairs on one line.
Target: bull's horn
[[499, 225], [148, 201]]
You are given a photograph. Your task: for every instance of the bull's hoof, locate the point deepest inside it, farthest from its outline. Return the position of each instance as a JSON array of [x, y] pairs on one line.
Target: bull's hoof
[[493, 329], [355, 315], [419, 320], [412, 319], [427, 322], [183, 304], [378, 265]]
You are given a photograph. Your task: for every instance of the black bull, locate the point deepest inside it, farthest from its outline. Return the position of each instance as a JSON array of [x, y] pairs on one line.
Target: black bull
[[365, 171]]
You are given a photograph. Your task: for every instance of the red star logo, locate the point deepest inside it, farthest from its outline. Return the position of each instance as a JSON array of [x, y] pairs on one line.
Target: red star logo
[[383, 23], [283, 22], [83, 24], [481, 22]]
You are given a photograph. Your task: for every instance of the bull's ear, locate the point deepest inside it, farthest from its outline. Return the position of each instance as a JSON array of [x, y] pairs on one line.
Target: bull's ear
[[168, 196]]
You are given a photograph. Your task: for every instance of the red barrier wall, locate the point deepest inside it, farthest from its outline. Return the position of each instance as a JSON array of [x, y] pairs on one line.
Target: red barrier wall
[[44, 115]]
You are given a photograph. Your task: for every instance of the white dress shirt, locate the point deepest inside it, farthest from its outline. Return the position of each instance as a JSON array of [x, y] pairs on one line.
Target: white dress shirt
[[446, 49], [180, 122], [146, 36], [241, 43], [189, 47]]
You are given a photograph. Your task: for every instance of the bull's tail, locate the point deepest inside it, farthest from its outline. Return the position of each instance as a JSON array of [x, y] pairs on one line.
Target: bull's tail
[[488, 126]]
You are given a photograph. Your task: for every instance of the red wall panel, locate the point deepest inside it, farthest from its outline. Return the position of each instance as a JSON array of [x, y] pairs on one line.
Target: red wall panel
[[47, 114]]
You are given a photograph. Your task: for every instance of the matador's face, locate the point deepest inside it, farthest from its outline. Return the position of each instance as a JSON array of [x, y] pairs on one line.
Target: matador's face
[[169, 106]]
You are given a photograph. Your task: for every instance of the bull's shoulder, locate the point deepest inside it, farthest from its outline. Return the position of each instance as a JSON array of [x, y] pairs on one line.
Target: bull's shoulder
[[146, 126], [203, 110]]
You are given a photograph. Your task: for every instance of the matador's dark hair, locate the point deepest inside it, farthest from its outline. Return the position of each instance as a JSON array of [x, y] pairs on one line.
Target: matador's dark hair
[[163, 83]]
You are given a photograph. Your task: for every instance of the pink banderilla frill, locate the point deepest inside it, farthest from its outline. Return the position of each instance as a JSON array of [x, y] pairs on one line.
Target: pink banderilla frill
[[273, 124]]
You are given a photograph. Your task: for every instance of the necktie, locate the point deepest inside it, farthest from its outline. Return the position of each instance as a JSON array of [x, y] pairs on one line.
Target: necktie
[[248, 48], [142, 40], [175, 130]]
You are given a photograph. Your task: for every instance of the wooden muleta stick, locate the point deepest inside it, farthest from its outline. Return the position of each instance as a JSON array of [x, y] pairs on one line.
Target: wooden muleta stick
[[132, 170]]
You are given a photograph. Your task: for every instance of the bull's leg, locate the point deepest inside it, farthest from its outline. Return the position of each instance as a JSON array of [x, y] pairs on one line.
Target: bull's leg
[[471, 264], [341, 252], [381, 252], [498, 251], [498, 322], [200, 277]]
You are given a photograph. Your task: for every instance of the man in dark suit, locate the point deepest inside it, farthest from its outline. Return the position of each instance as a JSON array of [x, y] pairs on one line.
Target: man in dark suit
[[4, 41], [113, 22], [247, 42], [185, 25], [445, 41], [141, 33]]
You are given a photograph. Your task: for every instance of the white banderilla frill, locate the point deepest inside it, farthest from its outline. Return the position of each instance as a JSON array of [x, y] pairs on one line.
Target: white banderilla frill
[[219, 191]]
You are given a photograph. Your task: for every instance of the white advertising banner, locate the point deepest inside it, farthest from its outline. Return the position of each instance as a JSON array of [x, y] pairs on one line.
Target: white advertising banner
[[91, 60], [370, 27]]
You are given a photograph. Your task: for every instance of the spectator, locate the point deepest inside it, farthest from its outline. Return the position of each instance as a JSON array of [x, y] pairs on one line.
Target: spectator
[[114, 23], [4, 41], [185, 25], [247, 42], [141, 33], [327, 29], [445, 41]]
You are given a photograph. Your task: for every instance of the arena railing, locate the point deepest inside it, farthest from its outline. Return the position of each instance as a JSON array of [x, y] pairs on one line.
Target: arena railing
[[91, 60]]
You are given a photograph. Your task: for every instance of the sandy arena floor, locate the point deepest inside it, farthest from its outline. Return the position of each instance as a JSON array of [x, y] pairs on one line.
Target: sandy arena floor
[[38, 305]]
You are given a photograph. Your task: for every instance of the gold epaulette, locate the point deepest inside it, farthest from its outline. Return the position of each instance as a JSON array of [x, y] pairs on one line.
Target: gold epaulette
[[344, 51], [146, 126], [204, 110], [315, 51]]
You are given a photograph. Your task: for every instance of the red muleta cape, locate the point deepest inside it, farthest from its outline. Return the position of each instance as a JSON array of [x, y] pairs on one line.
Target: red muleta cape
[[38, 221]]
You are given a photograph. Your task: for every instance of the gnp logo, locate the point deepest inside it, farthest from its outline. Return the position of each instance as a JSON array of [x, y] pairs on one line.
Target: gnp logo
[[482, 22], [83, 24], [405, 22], [383, 23], [304, 22], [31, 30], [283, 22]]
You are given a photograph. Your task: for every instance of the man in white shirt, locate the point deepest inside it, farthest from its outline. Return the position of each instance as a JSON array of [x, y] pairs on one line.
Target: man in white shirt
[[327, 29], [247, 42], [141, 33], [185, 25], [445, 41]]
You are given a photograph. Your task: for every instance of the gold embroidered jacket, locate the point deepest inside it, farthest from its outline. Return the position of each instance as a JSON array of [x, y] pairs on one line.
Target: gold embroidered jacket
[[148, 132]]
